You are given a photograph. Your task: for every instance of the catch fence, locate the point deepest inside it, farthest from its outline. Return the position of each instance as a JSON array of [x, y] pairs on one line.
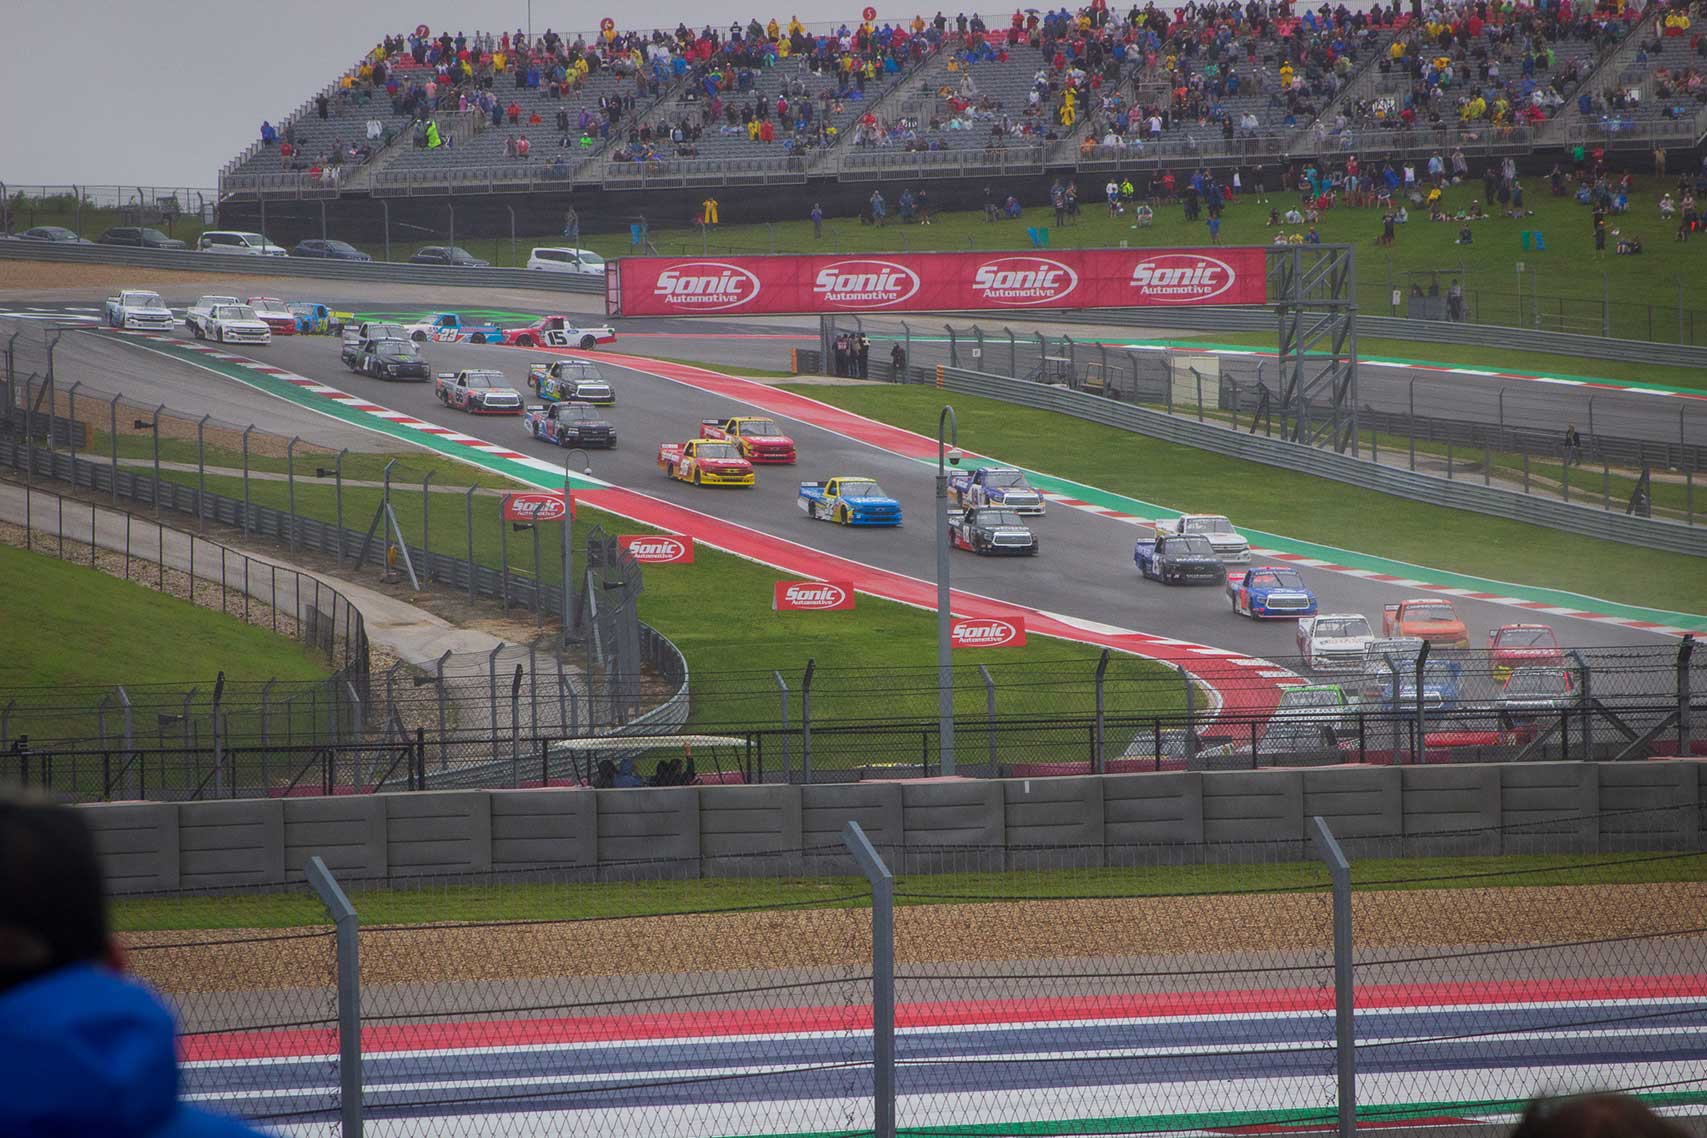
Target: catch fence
[[869, 988], [1504, 439], [509, 725]]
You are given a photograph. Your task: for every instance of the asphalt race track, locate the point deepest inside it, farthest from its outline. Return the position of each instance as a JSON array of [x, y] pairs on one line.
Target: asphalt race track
[[1191, 1062]]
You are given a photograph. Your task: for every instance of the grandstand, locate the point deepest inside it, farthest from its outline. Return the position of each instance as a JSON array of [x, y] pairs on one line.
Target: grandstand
[[1030, 95]]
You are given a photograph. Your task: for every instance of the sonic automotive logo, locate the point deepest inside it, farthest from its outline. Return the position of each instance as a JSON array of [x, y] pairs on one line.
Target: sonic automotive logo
[[651, 549], [864, 284], [812, 596], [1020, 281], [1181, 278], [986, 632], [706, 286], [532, 507]]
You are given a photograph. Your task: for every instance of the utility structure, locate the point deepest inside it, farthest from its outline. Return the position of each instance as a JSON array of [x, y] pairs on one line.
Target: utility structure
[[1313, 291]]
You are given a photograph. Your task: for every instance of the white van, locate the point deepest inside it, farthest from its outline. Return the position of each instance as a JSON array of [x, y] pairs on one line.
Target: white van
[[583, 262], [233, 241]]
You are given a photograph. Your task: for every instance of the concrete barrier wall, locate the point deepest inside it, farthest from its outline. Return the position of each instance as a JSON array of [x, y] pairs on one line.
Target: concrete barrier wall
[[924, 826]]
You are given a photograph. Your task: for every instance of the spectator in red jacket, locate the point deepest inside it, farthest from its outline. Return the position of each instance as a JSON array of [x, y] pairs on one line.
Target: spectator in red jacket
[[522, 147], [514, 110]]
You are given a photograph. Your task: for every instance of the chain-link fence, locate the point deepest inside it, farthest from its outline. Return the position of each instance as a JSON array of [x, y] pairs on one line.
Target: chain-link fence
[[1576, 445], [516, 719], [878, 988]]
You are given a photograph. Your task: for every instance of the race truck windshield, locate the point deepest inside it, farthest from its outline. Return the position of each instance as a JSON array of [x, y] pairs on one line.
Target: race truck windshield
[[1536, 681], [1429, 612], [999, 518], [1357, 627], [1278, 581], [759, 428], [1208, 525], [484, 379], [862, 490], [1004, 478], [575, 411], [1193, 546], [397, 350], [145, 300], [718, 450], [1526, 638]]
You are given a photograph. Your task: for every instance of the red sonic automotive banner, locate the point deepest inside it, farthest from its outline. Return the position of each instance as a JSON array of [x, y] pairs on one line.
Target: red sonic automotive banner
[[813, 596], [935, 282], [533, 506], [657, 549], [986, 632]]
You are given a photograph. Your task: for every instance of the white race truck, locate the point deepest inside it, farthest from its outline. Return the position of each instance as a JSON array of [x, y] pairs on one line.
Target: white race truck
[[139, 310], [236, 324], [197, 315], [1229, 545]]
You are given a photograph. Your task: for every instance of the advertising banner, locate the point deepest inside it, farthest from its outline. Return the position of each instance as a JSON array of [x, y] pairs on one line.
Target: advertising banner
[[656, 549], [986, 632], [935, 282], [533, 506], [812, 596]]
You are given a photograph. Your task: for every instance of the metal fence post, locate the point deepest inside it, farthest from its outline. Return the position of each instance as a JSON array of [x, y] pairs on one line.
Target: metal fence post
[[201, 474], [348, 927], [1345, 1026], [492, 691], [1096, 742], [782, 704], [1190, 712], [806, 721], [439, 684], [515, 727], [290, 479], [113, 443], [1685, 650], [989, 714], [882, 977], [246, 431], [1422, 705]]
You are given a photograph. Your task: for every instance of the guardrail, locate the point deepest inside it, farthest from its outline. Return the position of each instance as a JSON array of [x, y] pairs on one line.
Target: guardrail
[[1402, 328], [1510, 504], [377, 272]]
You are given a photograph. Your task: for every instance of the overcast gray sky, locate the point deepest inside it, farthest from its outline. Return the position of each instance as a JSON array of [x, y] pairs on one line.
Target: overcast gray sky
[[104, 92]]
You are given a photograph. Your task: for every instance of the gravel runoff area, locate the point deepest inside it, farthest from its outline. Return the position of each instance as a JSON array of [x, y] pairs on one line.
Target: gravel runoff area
[[187, 963], [38, 277]]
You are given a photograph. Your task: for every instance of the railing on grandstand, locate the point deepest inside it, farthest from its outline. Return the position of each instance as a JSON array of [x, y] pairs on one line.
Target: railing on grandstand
[[1011, 159], [676, 172]]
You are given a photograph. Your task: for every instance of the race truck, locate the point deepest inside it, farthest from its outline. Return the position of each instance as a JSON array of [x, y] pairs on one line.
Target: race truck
[[1270, 592], [558, 332], [139, 310], [760, 440], [449, 328], [235, 324], [273, 312], [1427, 618], [575, 381], [994, 486], [1529, 693], [989, 530], [354, 332], [1440, 687], [1334, 642], [478, 392], [1175, 559], [1229, 545], [392, 359], [197, 315], [316, 319], [705, 463], [569, 425], [849, 501], [1515, 646], [1383, 656]]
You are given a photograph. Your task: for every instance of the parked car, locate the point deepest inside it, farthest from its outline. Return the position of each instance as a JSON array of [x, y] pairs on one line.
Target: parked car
[[140, 237], [239, 242], [56, 234], [580, 262], [330, 250], [453, 255]]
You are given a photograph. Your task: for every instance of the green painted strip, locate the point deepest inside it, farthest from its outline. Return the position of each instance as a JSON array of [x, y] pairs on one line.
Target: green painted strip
[[1226, 1120]]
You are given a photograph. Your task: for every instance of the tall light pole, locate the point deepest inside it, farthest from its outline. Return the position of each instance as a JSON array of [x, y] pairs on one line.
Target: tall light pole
[[569, 540], [944, 670]]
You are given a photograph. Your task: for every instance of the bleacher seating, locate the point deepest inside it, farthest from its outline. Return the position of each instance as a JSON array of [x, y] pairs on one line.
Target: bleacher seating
[[1099, 87]]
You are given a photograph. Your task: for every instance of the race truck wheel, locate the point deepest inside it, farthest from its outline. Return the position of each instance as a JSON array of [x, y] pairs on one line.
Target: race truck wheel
[[696, 479], [670, 471], [418, 337], [843, 517], [477, 338], [196, 331], [525, 342], [588, 343]]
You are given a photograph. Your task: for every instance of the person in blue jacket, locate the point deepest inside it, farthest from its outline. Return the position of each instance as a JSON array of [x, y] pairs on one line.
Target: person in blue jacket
[[83, 1050]]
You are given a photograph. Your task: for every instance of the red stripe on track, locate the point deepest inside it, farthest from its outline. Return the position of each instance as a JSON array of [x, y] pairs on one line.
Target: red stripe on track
[[672, 1025]]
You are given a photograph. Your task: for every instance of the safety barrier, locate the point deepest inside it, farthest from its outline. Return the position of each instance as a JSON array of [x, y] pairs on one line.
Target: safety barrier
[[376, 272]]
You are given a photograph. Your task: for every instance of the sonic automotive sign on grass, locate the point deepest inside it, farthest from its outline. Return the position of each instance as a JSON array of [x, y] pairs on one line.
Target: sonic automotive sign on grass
[[932, 282]]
